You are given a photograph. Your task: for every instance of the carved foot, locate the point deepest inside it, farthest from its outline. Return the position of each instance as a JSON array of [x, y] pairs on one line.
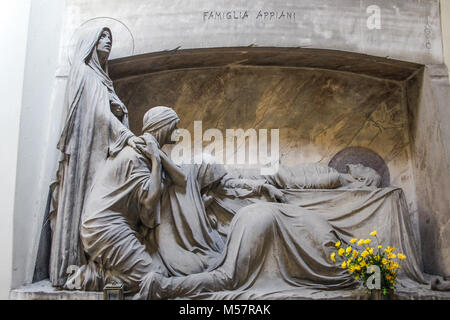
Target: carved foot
[[438, 284], [150, 287], [74, 281]]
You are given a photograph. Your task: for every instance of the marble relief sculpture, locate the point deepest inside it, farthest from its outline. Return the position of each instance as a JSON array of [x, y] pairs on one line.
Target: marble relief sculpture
[[265, 244], [125, 197], [96, 127], [124, 212], [200, 232]]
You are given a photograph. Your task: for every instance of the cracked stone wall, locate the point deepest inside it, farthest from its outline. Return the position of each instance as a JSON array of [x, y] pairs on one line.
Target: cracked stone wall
[[318, 112], [428, 96]]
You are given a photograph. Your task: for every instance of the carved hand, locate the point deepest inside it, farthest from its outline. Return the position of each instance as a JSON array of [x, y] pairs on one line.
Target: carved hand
[[134, 142], [150, 148], [274, 194], [117, 110]]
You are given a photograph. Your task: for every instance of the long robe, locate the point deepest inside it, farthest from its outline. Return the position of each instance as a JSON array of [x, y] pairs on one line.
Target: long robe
[[111, 222], [275, 250], [91, 133], [185, 241]]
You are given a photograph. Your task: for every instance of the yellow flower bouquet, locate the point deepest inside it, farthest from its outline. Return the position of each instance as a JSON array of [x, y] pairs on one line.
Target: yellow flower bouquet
[[363, 262]]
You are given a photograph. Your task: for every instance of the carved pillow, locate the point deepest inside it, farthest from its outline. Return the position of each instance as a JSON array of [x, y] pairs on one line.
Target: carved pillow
[[305, 176]]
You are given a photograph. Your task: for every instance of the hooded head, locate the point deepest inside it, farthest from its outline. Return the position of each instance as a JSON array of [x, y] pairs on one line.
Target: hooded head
[[88, 42], [104, 43], [86, 54], [160, 122], [84, 62], [366, 175]]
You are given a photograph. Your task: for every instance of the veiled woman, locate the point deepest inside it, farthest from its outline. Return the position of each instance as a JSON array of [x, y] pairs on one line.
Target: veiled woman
[[96, 127], [124, 198]]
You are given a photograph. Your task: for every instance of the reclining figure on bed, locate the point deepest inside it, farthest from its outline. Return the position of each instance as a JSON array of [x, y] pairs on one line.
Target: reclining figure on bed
[[320, 176], [270, 236]]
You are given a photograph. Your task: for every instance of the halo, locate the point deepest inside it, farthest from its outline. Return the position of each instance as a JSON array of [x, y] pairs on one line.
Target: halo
[[123, 40], [364, 156]]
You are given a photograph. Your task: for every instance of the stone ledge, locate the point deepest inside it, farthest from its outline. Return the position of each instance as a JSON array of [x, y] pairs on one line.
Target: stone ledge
[[43, 290]]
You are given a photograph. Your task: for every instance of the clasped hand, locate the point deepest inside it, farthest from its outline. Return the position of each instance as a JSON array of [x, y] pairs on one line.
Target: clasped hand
[[274, 194], [147, 145]]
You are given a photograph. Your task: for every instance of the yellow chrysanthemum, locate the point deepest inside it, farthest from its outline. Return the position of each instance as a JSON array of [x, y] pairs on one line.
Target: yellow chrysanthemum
[[361, 242], [367, 241], [354, 240], [401, 256], [344, 265], [348, 250], [341, 251], [373, 233], [337, 244], [355, 253], [384, 261], [333, 257], [364, 254], [380, 246], [392, 256], [389, 249]]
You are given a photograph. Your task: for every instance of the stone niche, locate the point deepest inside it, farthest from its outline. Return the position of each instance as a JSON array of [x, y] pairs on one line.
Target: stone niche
[[322, 101], [326, 103], [330, 107]]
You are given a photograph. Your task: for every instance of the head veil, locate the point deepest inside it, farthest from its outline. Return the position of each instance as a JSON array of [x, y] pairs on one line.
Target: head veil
[[157, 118], [85, 57]]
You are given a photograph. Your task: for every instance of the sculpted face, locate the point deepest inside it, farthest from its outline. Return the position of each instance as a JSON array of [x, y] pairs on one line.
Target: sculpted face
[[168, 130], [364, 174], [356, 170], [117, 110], [104, 43], [164, 134]]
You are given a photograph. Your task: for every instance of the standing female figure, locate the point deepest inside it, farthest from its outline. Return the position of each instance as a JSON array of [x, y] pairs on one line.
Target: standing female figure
[[96, 127]]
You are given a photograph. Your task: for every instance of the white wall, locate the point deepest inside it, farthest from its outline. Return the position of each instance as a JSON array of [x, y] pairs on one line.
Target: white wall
[[445, 19], [14, 17], [39, 130]]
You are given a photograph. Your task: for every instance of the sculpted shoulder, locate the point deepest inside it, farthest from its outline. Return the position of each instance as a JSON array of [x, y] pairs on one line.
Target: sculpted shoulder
[[129, 154]]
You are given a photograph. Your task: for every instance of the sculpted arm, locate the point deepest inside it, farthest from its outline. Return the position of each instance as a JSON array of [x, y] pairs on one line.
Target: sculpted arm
[[256, 186], [172, 170], [249, 184], [153, 193], [120, 134]]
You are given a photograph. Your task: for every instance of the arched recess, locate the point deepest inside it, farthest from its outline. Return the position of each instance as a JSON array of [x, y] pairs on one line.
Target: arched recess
[[323, 101]]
